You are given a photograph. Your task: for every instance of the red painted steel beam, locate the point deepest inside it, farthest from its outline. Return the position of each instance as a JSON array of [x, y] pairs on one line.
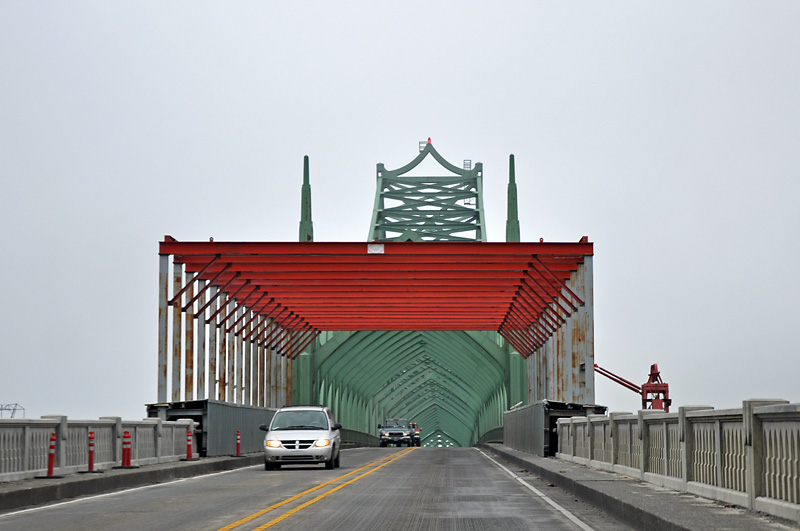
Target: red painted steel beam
[[219, 293], [450, 285], [528, 322], [524, 330], [290, 275], [303, 345], [558, 281], [307, 342], [360, 248], [178, 296]]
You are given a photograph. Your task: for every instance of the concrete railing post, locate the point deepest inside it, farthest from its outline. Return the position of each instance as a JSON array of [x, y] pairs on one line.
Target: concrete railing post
[[644, 437], [573, 437], [26, 451], [613, 425], [157, 439], [754, 448], [687, 443], [116, 438], [590, 425]]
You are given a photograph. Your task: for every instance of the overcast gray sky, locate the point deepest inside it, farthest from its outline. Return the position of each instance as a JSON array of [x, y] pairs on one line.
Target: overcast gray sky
[[666, 132]]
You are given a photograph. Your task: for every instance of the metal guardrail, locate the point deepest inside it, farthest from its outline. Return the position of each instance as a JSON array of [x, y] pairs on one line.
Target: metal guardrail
[[24, 444], [492, 436], [358, 438], [747, 457]]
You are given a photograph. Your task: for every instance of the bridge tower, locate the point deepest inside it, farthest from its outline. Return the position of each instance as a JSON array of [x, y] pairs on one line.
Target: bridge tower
[[455, 384], [429, 208]]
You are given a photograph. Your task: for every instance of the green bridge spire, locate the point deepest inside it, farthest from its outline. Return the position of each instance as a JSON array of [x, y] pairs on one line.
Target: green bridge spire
[[306, 225], [512, 223]]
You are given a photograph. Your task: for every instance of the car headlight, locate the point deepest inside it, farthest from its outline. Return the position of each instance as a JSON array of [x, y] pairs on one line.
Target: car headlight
[[322, 442], [405, 434], [272, 443]]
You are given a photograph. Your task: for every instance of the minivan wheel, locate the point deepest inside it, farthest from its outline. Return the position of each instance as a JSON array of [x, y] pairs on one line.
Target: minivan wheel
[[329, 464], [336, 461]]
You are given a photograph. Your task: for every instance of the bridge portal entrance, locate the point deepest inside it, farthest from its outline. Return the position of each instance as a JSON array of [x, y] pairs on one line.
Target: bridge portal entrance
[[425, 320]]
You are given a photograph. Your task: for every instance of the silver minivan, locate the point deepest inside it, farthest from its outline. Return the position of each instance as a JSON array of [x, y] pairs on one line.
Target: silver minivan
[[302, 435]]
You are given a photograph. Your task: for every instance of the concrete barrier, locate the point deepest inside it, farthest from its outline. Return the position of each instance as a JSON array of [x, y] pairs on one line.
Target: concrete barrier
[[24, 444], [748, 457]]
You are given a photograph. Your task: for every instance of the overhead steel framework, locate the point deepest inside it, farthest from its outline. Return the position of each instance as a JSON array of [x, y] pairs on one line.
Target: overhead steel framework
[[517, 289], [425, 320]]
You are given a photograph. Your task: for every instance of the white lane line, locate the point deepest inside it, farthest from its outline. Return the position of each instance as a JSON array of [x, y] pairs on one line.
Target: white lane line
[[118, 492], [574, 519]]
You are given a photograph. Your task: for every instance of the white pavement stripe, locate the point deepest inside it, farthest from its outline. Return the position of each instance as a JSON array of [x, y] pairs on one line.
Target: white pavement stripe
[[574, 519], [118, 492]]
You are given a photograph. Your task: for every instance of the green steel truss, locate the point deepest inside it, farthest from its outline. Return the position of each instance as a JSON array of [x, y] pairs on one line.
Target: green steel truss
[[454, 384], [429, 208]]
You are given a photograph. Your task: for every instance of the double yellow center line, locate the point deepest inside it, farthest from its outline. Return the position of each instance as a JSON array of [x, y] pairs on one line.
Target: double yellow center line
[[380, 463]]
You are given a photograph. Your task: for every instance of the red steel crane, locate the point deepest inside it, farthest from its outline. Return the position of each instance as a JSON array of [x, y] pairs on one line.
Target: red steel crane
[[654, 393]]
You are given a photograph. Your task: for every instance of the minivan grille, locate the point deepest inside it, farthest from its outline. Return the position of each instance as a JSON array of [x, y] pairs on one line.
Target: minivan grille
[[297, 445]]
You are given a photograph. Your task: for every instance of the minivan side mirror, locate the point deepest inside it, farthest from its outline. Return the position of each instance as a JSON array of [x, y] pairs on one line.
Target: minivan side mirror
[[336, 426], [380, 427], [263, 427]]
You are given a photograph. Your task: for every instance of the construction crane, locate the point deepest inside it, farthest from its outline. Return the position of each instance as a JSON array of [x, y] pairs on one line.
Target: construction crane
[[654, 393]]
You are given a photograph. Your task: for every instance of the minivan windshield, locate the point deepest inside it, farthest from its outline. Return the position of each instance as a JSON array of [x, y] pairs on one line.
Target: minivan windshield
[[300, 420]]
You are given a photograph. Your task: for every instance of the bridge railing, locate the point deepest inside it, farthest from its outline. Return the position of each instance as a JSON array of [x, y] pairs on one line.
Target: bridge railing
[[358, 438], [748, 457], [25, 443], [495, 435]]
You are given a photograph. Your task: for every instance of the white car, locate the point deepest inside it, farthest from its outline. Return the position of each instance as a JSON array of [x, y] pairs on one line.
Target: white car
[[302, 435]]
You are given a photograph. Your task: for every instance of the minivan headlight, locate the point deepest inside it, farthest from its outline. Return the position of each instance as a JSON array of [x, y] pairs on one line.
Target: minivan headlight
[[272, 443], [322, 442]]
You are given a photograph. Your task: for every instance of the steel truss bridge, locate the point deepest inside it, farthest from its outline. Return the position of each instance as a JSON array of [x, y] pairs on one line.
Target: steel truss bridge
[[424, 320]]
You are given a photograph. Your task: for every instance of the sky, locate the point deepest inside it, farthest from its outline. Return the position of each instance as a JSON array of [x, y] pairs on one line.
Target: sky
[[666, 132]]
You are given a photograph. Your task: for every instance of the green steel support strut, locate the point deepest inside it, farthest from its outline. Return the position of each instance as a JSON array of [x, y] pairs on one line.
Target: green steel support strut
[[512, 223], [306, 224]]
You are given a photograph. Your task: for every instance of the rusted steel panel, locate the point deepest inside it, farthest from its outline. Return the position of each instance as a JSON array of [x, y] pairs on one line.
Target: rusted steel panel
[[188, 373], [283, 380], [240, 356], [270, 370], [248, 364], [202, 345], [258, 388], [586, 317], [289, 363], [219, 352], [232, 354], [177, 284], [163, 326]]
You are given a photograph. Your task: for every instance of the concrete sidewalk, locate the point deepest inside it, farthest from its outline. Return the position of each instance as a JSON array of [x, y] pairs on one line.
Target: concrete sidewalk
[[636, 503], [16, 495]]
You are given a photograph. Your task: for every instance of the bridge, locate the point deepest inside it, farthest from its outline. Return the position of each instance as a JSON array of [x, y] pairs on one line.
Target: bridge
[[425, 320], [480, 343]]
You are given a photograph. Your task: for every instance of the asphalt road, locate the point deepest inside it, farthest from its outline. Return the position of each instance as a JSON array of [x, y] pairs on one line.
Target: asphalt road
[[383, 489]]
